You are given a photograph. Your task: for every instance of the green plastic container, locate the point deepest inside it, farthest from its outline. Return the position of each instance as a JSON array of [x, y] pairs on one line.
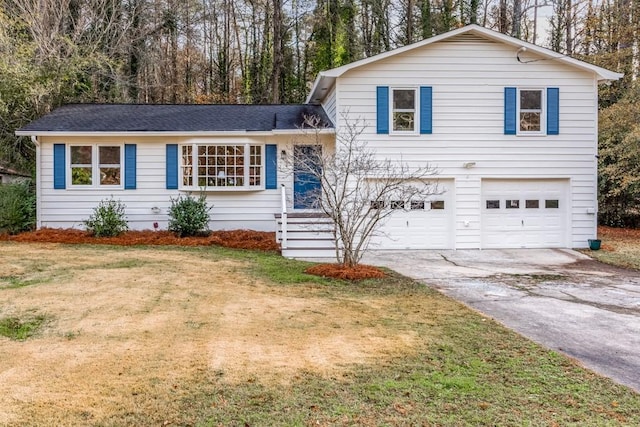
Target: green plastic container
[[594, 244]]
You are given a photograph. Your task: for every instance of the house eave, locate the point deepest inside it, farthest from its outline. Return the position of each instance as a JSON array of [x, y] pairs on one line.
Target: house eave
[[329, 76], [171, 133]]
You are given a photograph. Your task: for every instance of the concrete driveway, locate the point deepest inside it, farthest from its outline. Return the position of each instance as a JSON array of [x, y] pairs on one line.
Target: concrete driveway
[[556, 297]]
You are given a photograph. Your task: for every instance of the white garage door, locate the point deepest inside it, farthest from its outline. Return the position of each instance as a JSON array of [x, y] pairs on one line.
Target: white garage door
[[419, 224], [524, 213]]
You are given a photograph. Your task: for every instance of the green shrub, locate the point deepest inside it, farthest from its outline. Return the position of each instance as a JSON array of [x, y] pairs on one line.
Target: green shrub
[[17, 208], [108, 219], [189, 216]]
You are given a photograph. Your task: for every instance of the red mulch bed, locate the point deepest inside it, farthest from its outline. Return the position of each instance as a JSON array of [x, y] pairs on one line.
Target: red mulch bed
[[340, 271], [237, 239]]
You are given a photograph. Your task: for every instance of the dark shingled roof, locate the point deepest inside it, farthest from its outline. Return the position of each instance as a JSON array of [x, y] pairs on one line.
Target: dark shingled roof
[[174, 118]]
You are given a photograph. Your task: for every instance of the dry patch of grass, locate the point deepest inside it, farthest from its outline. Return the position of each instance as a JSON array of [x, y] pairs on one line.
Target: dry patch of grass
[[206, 336], [620, 246], [134, 324]]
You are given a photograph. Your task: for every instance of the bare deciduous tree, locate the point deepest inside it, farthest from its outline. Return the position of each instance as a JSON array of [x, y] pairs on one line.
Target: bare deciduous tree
[[357, 189]]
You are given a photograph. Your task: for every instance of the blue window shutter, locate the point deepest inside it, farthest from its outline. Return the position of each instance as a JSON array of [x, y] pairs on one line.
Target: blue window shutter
[[172, 166], [130, 166], [553, 111], [510, 121], [426, 109], [59, 166], [382, 102], [271, 166]]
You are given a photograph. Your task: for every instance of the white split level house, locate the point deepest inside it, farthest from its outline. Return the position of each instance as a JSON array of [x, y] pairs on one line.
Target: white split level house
[[511, 127]]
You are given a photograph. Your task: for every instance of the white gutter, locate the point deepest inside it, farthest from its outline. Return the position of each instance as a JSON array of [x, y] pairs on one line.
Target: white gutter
[[174, 133]]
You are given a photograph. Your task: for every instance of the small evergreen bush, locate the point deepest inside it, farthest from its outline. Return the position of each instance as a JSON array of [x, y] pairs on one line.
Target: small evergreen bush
[[17, 208], [189, 216], [108, 219]]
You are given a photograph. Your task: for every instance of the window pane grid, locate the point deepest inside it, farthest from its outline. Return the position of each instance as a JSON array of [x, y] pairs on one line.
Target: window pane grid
[[222, 166]]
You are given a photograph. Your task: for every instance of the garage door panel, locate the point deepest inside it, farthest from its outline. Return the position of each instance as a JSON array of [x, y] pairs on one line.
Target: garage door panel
[[419, 228], [536, 220]]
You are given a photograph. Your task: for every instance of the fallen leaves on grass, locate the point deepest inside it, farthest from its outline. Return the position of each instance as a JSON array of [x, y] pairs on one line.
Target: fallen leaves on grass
[[618, 233], [341, 271], [237, 239]]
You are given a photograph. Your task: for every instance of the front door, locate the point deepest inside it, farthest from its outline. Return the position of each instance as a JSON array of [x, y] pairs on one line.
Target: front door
[[306, 185]]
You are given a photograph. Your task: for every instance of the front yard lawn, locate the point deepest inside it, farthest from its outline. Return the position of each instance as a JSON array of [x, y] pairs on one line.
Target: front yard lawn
[[211, 336]]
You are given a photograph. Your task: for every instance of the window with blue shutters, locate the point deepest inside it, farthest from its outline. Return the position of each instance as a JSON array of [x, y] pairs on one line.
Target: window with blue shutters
[[404, 110], [531, 111]]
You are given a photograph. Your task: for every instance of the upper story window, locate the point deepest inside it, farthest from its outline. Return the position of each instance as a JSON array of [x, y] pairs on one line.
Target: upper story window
[[95, 165], [231, 167], [404, 110], [530, 110]]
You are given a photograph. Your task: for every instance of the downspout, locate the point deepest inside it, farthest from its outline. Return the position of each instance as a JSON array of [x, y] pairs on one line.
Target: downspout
[[34, 139], [596, 156]]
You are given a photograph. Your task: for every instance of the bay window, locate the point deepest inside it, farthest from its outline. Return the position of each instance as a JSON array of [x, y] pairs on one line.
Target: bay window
[[228, 167]]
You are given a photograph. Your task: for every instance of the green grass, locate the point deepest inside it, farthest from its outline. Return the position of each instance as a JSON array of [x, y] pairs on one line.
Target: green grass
[[20, 329], [620, 247], [478, 374]]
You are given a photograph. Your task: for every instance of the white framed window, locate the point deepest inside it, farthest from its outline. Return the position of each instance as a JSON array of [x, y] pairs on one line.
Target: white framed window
[[95, 165], [404, 110], [531, 111], [222, 166]]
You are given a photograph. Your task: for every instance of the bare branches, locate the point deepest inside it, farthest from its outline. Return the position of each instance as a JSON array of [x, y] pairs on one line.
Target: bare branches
[[356, 186]]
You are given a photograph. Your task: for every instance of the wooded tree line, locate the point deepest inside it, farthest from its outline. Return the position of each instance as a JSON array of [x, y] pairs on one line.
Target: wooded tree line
[[265, 51]]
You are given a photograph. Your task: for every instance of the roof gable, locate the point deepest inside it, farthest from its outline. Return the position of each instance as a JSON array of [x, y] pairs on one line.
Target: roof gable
[[326, 79]]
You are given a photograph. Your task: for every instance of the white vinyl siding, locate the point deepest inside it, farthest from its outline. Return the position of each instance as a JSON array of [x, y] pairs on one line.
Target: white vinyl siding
[[330, 104], [231, 210], [468, 76]]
